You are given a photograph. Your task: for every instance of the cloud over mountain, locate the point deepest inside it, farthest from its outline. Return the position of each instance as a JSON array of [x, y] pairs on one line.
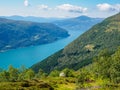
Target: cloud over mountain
[[71, 8]]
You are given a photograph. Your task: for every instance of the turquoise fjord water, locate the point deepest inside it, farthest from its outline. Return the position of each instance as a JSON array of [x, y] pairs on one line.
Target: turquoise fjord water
[[30, 55]]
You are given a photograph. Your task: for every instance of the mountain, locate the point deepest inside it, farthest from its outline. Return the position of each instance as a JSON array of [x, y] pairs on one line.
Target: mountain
[[79, 53], [14, 34], [79, 23], [31, 18]]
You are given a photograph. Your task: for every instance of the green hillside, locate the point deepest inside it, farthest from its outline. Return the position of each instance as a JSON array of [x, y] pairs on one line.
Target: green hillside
[[81, 51], [15, 34]]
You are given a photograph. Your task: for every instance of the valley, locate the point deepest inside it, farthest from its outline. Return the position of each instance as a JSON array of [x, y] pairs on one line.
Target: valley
[[28, 52], [29, 55], [59, 45]]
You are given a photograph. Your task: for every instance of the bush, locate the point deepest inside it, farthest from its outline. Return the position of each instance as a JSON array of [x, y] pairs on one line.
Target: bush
[[54, 73], [68, 72]]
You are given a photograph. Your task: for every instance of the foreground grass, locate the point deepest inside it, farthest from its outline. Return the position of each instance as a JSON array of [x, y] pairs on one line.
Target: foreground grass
[[61, 83], [25, 85], [56, 83], [49, 83], [99, 84]]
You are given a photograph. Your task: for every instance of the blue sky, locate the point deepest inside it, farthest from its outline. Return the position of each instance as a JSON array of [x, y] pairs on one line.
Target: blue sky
[[59, 8]]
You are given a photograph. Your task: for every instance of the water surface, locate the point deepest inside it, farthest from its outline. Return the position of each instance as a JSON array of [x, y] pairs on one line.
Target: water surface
[[30, 55]]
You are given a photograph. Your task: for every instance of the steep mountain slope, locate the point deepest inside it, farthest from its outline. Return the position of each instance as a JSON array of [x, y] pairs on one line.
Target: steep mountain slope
[[79, 23], [81, 51], [14, 34]]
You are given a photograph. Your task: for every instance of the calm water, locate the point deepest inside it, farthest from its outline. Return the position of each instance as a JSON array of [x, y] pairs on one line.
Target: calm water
[[31, 55]]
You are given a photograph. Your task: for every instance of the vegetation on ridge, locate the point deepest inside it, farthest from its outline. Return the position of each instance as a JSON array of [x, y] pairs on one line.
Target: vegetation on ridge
[[80, 52]]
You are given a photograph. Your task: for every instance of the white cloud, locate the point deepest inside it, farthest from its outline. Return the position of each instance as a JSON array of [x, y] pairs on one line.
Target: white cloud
[[26, 3], [117, 6], [43, 7], [108, 7], [71, 8]]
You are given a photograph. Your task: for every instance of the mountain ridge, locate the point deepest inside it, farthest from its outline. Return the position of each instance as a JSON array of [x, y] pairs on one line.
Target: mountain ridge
[[80, 52], [74, 23], [78, 23], [31, 18], [14, 34]]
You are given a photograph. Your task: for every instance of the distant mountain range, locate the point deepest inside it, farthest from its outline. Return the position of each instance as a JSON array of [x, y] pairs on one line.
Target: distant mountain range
[[82, 23], [32, 18], [15, 34], [79, 53]]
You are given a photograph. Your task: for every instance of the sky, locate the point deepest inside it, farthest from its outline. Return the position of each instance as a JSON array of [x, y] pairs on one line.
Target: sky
[[59, 8]]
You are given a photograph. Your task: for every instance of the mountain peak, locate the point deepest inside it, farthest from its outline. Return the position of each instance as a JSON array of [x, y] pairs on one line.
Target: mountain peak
[[83, 17]]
